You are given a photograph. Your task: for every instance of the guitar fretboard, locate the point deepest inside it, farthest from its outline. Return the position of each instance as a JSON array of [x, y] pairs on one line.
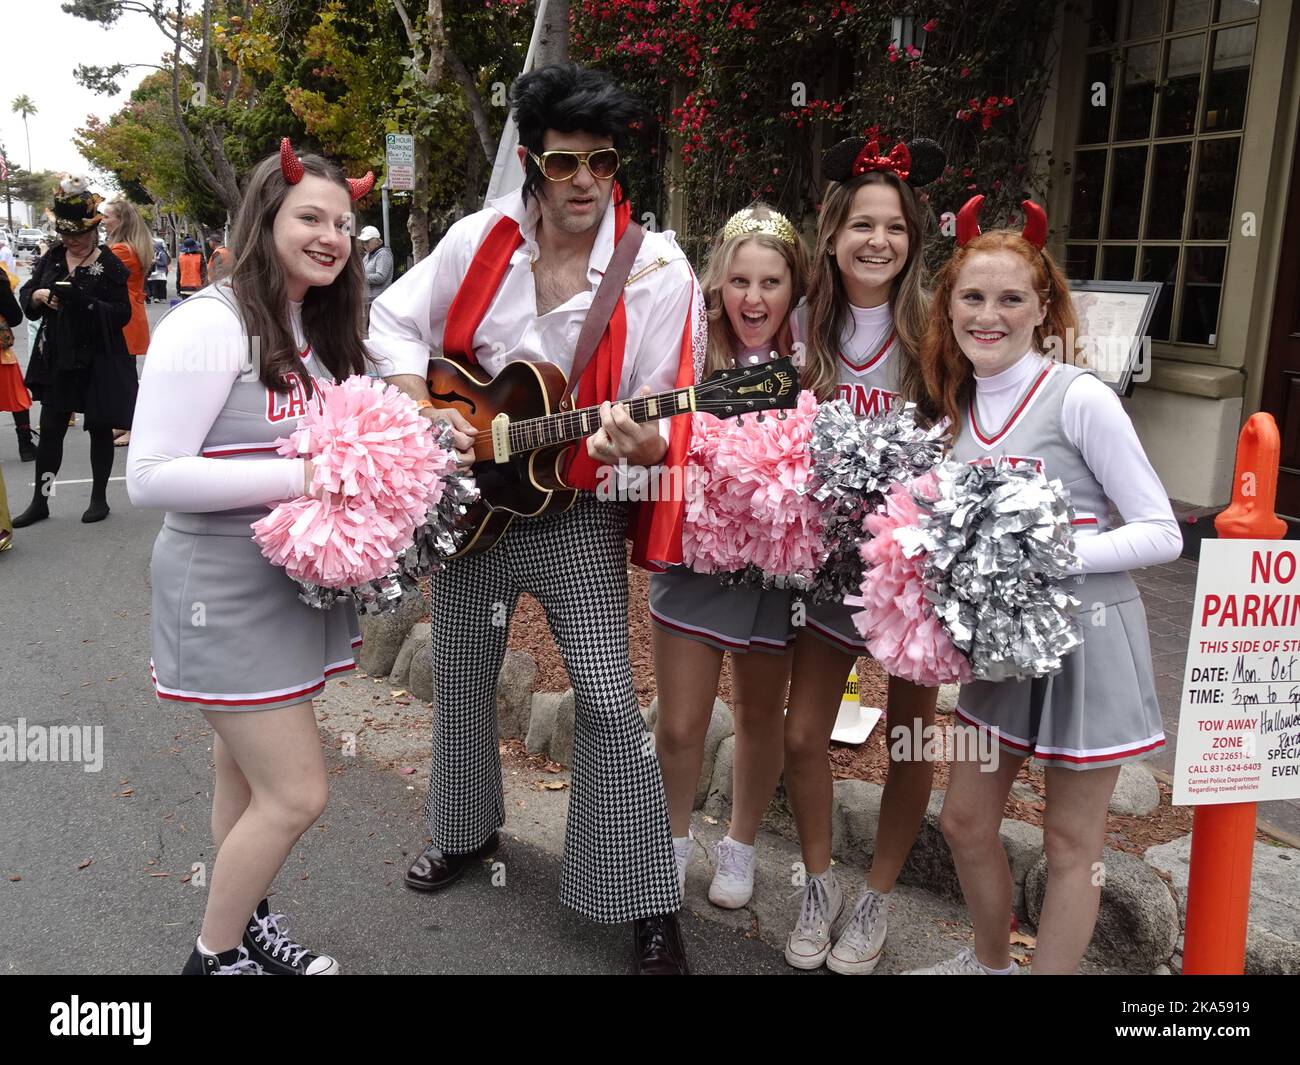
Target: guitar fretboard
[[566, 426]]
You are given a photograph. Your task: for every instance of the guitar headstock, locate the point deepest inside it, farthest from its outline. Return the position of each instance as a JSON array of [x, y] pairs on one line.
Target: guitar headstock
[[746, 389]]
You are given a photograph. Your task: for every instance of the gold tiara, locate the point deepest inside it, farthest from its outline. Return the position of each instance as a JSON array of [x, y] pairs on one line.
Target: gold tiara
[[743, 222]]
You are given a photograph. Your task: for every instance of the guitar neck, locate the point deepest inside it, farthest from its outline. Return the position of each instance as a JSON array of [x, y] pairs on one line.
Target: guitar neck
[[568, 426]]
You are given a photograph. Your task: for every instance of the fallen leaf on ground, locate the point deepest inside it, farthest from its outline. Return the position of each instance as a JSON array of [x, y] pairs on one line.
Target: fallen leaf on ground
[[552, 785], [407, 770], [397, 693], [710, 820], [85, 863], [160, 874], [1019, 939], [14, 879], [1019, 957]]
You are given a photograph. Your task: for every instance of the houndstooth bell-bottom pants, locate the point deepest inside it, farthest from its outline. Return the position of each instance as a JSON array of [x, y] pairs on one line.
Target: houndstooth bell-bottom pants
[[618, 855]]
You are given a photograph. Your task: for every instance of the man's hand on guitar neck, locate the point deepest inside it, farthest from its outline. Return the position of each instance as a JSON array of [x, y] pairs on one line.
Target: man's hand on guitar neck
[[463, 438], [619, 438]]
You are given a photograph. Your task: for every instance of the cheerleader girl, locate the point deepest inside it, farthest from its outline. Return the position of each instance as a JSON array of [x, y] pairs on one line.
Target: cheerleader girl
[[228, 372], [865, 315], [1000, 300], [754, 278]]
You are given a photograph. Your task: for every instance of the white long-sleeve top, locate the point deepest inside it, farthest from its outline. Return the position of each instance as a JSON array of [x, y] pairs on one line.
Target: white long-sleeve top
[[190, 381], [408, 319], [1094, 421]]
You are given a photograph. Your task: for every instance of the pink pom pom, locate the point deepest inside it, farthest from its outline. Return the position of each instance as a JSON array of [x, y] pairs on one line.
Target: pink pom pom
[[746, 507], [380, 471], [902, 633]]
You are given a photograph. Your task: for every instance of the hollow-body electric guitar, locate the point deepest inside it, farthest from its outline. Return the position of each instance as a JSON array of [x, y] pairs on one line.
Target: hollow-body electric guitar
[[526, 423]]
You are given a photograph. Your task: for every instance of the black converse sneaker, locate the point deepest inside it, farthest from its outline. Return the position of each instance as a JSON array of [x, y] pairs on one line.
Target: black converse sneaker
[[268, 943], [229, 963]]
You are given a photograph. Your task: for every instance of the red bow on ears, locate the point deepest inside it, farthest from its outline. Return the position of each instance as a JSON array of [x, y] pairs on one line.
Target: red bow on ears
[[291, 168], [898, 161], [1034, 230]]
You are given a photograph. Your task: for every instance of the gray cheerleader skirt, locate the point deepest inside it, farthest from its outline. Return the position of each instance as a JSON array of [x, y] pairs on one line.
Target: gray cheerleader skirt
[[1100, 710], [732, 618], [832, 623], [229, 632]]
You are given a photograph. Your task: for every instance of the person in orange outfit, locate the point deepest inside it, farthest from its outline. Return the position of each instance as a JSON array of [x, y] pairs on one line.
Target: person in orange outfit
[[191, 270], [131, 242]]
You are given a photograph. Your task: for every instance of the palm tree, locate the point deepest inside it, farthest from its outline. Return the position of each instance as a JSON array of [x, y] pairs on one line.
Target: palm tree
[[22, 105]]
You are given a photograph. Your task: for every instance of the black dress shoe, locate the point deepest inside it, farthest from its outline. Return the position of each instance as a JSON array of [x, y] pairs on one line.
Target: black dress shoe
[[658, 945], [97, 511], [436, 869]]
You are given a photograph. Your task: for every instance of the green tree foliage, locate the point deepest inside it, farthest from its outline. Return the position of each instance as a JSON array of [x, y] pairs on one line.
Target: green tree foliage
[[140, 148]]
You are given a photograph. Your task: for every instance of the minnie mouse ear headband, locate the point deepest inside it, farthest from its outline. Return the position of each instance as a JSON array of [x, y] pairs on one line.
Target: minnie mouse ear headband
[[291, 168], [918, 162], [744, 222], [1034, 231]]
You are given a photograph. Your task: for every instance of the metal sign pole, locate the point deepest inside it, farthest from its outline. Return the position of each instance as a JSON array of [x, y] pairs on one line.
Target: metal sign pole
[[383, 190]]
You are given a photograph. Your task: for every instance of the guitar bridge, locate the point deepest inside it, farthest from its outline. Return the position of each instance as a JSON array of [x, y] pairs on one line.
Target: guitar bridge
[[501, 438]]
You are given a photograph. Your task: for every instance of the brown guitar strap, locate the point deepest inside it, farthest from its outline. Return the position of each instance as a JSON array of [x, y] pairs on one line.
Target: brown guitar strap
[[607, 296]]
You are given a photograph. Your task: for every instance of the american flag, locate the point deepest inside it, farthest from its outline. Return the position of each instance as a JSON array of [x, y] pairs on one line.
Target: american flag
[[4, 167]]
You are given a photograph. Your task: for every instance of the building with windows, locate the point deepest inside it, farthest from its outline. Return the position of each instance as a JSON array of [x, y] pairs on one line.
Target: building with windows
[[1171, 134]]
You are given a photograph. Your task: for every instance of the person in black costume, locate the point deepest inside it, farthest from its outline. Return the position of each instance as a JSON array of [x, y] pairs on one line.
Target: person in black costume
[[79, 362]]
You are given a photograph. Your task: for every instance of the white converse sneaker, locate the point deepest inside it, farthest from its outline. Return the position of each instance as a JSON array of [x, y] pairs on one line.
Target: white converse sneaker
[[268, 944], [682, 849], [964, 964], [733, 880], [823, 903], [857, 951]]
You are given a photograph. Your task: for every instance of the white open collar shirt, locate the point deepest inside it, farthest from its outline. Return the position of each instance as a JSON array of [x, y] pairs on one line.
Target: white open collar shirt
[[408, 319]]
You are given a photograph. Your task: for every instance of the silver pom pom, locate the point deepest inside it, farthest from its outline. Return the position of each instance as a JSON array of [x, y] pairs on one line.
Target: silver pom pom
[[999, 549], [855, 461]]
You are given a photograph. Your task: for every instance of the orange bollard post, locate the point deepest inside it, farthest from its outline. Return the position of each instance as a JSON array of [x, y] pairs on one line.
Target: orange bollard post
[[1223, 835]]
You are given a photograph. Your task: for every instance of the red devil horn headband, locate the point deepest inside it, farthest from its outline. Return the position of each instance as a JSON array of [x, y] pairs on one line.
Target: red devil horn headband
[[290, 164], [361, 186], [291, 168], [968, 224]]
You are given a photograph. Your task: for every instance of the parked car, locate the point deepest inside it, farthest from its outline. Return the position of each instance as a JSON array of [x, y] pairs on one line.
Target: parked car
[[28, 239]]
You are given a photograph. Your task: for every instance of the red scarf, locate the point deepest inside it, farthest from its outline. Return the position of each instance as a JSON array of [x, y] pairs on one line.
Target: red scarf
[[654, 527]]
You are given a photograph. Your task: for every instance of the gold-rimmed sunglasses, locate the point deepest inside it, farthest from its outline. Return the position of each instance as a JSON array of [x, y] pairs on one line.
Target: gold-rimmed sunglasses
[[601, 164]]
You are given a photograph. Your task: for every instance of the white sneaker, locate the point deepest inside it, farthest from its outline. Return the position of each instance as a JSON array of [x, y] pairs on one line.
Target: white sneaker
[[733, 881], [823, 903], [682, 849], [857, 951], [964, 964]]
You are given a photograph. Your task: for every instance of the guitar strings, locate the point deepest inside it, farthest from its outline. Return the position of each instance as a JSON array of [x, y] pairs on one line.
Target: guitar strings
[[520, 432]]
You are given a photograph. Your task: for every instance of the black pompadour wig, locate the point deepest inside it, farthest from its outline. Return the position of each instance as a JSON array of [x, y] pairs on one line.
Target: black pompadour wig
[[569, 98]]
